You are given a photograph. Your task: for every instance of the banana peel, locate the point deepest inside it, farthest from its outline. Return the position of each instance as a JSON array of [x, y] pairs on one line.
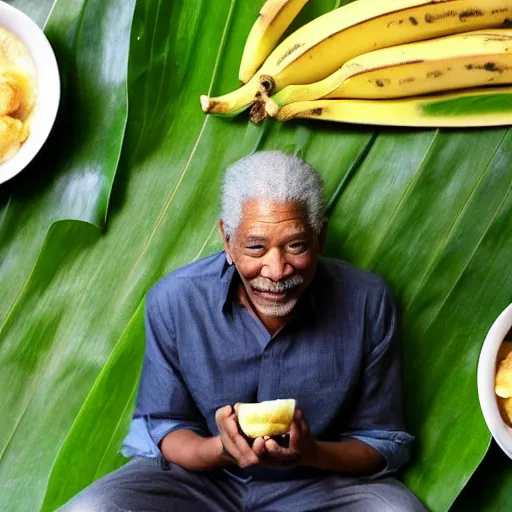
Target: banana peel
[[461, 109], [273, 19]]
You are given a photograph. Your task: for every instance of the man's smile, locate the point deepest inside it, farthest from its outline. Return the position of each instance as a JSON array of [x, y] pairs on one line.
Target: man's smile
[[272, 296]]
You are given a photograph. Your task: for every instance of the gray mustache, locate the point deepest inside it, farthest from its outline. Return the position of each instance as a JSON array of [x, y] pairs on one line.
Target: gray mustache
[[264, 285]]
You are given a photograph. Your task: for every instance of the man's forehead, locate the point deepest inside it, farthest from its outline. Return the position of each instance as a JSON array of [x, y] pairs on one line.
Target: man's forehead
[[290, 231], [260, 231], [265, 210], [262, 219]]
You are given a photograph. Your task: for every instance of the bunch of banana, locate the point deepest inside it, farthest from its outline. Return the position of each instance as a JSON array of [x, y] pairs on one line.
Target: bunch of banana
[[472, 59], [373, 50]]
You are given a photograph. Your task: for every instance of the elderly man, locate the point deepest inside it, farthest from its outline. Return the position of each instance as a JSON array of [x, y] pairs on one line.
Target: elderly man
[[266, 319]]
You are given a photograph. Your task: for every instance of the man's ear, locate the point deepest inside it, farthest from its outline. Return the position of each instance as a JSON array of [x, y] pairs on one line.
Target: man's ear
[[322, 237], [225, 242]]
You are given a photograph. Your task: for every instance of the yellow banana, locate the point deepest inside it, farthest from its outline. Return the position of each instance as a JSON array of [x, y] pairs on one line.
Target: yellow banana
[[472, 59], [468, 108], [273, 19], [322, 46]]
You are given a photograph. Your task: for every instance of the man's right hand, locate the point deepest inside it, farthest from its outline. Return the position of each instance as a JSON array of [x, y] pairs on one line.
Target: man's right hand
[[234, 444]]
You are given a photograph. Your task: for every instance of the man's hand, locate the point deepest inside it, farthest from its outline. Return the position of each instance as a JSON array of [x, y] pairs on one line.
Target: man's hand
[[299, 452], [233, 442]]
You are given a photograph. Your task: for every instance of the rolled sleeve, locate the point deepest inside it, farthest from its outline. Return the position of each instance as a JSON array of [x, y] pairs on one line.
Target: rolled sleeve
[[159, 428], [141, 443], [393, 446]]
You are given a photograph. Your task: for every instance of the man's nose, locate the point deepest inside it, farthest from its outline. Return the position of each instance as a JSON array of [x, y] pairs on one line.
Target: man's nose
[[275, 266]]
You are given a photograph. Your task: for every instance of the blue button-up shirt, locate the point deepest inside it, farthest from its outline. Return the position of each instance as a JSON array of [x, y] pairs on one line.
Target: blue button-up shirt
[[340, 358]]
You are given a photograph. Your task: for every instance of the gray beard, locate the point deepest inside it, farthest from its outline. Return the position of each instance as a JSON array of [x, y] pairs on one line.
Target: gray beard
[[278, 309]]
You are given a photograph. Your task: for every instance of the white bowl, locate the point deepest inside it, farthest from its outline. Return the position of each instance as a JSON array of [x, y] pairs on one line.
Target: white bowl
[[48, 81], [486, 375]]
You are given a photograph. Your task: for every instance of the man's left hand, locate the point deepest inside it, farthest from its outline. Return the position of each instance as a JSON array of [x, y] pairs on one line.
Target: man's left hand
[[300, 449]]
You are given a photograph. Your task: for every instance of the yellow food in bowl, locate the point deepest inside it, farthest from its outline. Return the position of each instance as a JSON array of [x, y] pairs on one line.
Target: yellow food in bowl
[[18, 93], [503, 385]]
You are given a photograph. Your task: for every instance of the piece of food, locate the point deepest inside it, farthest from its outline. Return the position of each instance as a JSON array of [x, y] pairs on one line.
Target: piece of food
[[466, 108], [322, 46], [270, 418], [10, 100], [462, 61], [508, 411], [503, 381], [13, 134], [18, 93], [24, 94], [273, 19], [18, 69], [505, 408], [503, 386]]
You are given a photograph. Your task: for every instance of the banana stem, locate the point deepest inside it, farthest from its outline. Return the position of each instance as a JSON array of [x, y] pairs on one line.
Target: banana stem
[[232, 104], [304, 92]]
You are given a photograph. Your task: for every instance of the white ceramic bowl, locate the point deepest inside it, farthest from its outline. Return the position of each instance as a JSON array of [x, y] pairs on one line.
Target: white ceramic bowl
[[501, 432], [48, 84]]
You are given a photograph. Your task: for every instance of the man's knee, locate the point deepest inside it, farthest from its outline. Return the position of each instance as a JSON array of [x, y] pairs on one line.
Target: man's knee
[[88, 501], [391, 496]]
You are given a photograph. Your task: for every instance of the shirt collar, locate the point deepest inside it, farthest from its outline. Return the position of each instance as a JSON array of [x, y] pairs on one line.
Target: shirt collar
[[226, 280], [229, 280]]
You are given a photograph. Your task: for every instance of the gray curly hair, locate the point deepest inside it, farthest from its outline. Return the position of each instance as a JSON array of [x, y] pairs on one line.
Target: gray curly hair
[[275, 176]]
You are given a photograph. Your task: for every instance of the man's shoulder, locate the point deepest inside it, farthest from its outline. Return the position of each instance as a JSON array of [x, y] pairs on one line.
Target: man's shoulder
[[201, 272], [344, 274]]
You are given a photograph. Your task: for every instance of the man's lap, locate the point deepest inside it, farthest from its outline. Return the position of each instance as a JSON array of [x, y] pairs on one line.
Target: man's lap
[[141, 485], [335, 493]]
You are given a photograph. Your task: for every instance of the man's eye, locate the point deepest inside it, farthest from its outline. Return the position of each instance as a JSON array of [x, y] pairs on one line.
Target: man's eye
[[298, 246], [255, 247]]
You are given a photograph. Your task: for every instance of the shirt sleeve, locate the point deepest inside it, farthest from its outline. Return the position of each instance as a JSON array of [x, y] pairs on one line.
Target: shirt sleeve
[[378, 417], [164, 400], [139, 443], [394, 447]]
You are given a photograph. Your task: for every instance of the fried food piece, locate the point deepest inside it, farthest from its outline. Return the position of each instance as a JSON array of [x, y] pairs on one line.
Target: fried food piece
[[19, 91], [18, 84], [10, 99], [14, 52], [505, 408], [503, 385], [12, 135]]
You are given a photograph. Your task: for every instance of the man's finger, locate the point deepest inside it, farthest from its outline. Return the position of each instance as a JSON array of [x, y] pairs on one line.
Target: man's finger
[[222, 413], [225, 419], [280, 456], [246, 456], [258, 447], [275, 450]]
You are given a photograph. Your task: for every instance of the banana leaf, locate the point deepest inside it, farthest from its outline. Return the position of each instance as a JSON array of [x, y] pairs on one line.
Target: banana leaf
[[72, 176], [429, 210], [37, 11]]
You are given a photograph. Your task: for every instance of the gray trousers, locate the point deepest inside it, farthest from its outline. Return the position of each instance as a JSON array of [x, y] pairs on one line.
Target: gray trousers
[[141, 485]]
